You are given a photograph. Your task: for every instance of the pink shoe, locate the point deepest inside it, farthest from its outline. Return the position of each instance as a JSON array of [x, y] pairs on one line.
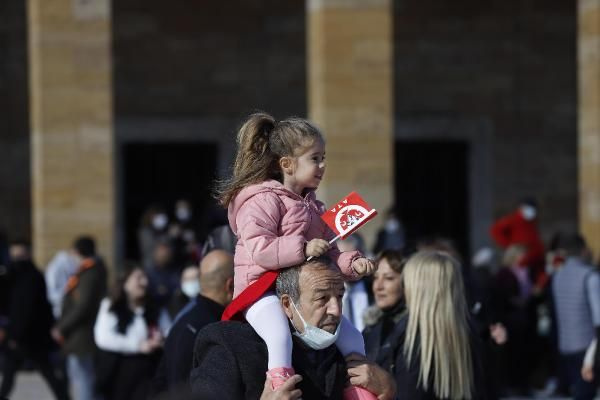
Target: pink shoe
[[358, 393], [279, 376]]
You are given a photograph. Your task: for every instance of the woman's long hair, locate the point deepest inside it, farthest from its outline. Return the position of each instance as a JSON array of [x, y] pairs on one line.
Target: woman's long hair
[[437, 332], [261, 142], [119, 303]]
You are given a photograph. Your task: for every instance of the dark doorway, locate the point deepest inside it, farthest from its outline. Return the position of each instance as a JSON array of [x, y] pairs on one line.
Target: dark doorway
[[162, 173], [432, 194]]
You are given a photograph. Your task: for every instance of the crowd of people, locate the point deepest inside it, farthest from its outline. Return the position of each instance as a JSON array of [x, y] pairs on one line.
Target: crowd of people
[[515, 330], [95, 339], [266, 307]]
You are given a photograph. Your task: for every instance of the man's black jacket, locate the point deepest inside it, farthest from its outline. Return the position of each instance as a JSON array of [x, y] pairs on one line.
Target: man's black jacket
[[230, 362], [176, 364], [30, 315]]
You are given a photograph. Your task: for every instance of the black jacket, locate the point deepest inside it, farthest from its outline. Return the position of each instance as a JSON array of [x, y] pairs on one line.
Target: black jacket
[[29, 313], [387, 352], [230, 362], [176, 363], [382, 338]]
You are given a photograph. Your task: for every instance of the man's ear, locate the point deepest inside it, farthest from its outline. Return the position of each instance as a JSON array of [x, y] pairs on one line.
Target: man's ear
[[229, 285], [287, 165], [229, 288], [286, 303]]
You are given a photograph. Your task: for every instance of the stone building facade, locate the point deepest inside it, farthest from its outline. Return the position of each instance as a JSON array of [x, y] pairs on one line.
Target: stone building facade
[[495, 80]]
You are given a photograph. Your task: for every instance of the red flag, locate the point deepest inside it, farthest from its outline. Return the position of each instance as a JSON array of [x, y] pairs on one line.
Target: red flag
[[348, 215]]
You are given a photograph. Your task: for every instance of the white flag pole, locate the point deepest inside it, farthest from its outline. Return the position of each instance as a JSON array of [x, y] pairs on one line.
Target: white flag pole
[[332, 241]]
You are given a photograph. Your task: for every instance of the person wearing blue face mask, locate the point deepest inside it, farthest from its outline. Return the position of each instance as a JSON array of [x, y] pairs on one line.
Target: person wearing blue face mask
[[215, 277], [230, 358], [314, 337]]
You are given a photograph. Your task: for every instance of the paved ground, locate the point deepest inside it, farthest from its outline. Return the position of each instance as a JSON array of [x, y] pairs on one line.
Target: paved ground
[[31, 386]]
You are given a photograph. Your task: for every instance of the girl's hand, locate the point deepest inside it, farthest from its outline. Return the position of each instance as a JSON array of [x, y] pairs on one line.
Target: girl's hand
[[363, 266], [316, 248]]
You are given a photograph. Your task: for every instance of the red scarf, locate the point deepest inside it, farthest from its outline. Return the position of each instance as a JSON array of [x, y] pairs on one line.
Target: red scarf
[[249, 296]]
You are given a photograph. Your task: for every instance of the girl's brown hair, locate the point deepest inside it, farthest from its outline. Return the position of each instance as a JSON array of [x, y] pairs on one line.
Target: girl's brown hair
[[262, 141]]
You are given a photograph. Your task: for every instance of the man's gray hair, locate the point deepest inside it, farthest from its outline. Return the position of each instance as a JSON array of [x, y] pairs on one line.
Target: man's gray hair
[[288, 280]]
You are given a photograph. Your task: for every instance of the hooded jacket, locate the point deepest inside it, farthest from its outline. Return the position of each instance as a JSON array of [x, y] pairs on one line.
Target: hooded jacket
[[272, 225], [515, 229]]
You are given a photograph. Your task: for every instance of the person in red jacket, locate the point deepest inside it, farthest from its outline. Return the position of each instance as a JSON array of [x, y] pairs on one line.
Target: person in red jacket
[[520, 227]]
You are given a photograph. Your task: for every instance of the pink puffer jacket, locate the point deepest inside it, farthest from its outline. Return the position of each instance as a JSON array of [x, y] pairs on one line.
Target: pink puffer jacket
[[272, 225]]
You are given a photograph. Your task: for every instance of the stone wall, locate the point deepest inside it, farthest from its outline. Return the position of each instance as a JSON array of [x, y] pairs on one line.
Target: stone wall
[[209, 59], [350, 57], [15, 198], [72, 137], [189, 72], [508, 65], [589, 121], [511, 64]]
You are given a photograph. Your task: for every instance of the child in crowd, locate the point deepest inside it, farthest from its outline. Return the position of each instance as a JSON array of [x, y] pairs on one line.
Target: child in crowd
[[272, 208]]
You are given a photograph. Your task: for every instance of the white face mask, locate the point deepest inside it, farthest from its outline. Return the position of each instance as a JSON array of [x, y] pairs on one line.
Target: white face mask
[[528, 212], [313, 337], [392, 225], [183, 213], [190, 288], [159, 221]]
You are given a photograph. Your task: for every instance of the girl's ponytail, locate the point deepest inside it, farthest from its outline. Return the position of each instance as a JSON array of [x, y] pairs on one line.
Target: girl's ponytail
[[253, 141], [254, 162]]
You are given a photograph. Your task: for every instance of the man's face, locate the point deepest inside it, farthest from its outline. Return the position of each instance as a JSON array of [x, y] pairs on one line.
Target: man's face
[[18, 252], [190, 274], [162, 255], [320, 302]]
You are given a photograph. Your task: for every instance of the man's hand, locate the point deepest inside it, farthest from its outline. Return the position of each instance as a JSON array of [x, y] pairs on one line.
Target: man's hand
[[363, 266], [57, 336], [371, 376], [152, 344], [147, 346], [587, 373], [287, 391], [316, 248]]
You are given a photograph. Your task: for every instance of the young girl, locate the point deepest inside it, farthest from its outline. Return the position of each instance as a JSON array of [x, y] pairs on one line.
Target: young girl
[[273, 210]]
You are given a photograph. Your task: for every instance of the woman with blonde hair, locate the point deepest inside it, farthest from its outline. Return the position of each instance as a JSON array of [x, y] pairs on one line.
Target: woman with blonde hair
[[439, 356]]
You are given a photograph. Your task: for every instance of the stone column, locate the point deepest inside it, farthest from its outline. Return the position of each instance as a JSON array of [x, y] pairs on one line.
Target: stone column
[[71, 124], [589, 121], [350, 85]]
